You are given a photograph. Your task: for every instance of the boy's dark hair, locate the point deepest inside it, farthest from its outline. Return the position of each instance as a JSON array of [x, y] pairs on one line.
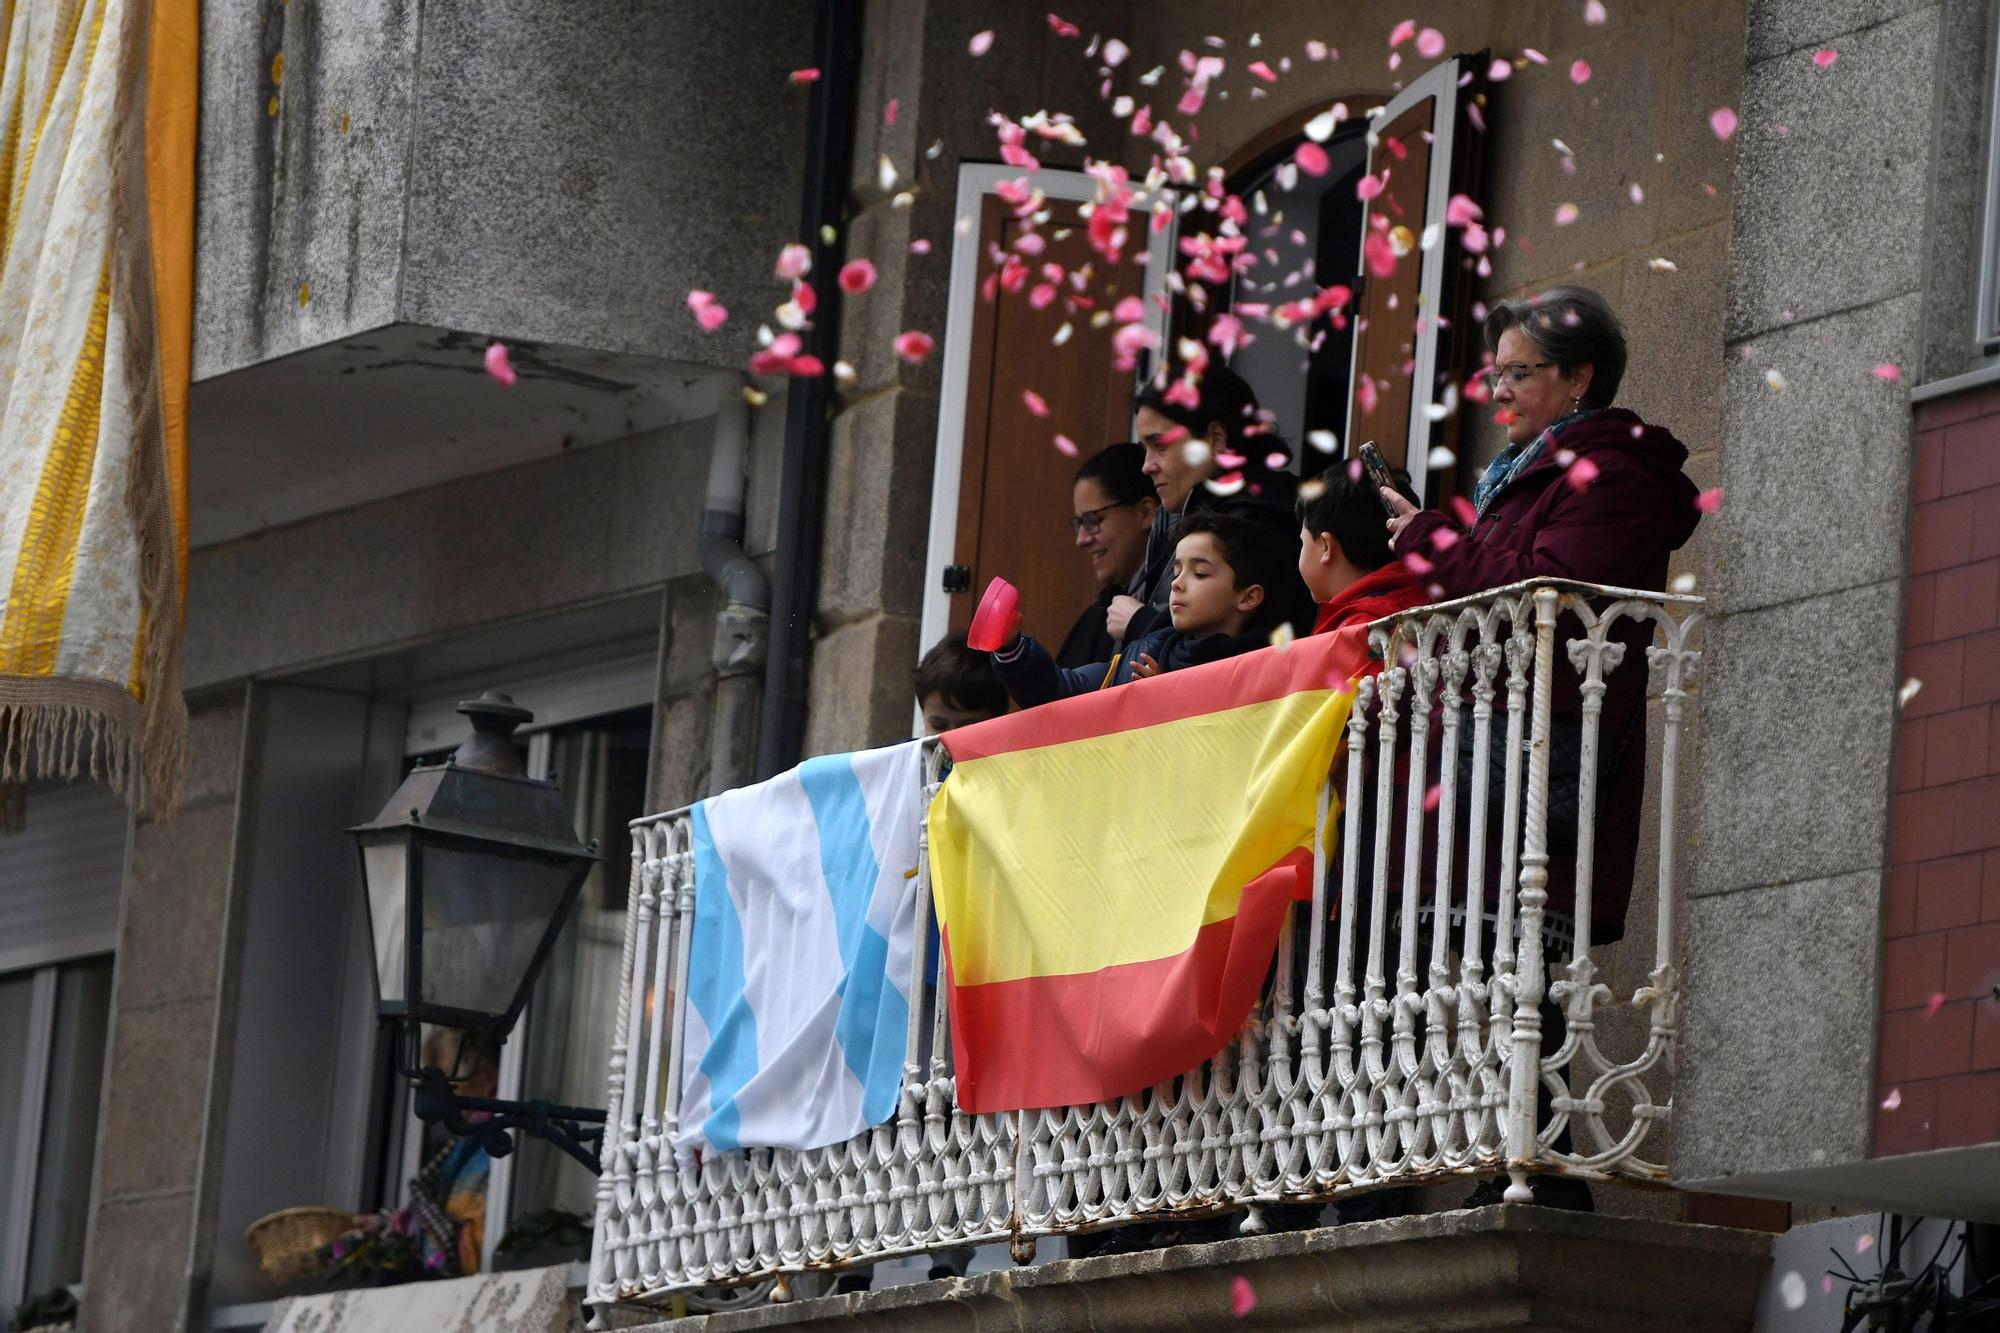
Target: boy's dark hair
[[1345, 504], [1119, 471], [963, 678], [1255, 555]]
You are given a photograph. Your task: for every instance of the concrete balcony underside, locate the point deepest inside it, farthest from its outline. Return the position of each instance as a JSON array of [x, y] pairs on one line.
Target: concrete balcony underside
[[1507, 1267]]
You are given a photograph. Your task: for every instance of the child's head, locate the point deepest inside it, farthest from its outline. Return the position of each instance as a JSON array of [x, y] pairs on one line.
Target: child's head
[[1228, 575], [957, 686], [1343, 531]]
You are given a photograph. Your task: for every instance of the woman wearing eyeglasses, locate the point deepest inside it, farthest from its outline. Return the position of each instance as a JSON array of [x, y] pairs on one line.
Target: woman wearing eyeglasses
[[1583, 490], [1114, 504]]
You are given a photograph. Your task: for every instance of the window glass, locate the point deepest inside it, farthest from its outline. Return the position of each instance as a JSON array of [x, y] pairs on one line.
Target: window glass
[[602, 767], [69, 1124]]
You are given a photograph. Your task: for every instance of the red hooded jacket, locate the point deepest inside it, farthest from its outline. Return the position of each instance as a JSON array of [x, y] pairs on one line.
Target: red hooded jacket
[[1379, 592]]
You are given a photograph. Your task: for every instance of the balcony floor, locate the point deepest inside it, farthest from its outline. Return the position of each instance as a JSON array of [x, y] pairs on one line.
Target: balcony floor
[[1506, 1267]]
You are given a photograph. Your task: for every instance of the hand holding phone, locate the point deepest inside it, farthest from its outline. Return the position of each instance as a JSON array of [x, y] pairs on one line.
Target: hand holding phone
[[1379, 474]]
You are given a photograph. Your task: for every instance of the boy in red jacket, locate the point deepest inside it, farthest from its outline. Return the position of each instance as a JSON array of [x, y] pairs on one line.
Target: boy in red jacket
[[1344, 554]]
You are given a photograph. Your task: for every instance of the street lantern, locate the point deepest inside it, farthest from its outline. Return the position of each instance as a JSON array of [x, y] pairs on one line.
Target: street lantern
[[470, 871]]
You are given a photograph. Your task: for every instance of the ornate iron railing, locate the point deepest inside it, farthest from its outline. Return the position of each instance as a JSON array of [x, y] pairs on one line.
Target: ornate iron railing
[[1389, 1049]]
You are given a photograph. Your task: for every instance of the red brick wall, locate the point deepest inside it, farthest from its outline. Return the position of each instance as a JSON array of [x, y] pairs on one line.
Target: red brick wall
[[1939, 1052]]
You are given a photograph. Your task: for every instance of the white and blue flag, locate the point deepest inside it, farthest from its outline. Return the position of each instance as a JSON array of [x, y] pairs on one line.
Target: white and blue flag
[[799, 969]]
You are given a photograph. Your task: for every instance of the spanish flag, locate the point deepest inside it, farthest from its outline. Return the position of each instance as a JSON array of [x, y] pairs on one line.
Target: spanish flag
[[1111, 871]]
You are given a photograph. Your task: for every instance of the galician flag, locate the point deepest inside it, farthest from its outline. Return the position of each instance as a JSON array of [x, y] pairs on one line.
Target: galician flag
[[799, 969], [1111, 870]]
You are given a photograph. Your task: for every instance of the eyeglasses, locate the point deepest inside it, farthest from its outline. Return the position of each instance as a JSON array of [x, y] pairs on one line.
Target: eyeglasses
[[1090, 520], [1515, 374]]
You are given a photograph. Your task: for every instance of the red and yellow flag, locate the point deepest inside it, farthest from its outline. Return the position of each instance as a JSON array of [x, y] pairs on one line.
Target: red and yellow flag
[[1111, 870]]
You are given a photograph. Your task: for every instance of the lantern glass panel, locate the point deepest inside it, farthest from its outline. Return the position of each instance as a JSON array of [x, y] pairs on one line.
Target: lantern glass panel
[[484, 917], [385, 866]]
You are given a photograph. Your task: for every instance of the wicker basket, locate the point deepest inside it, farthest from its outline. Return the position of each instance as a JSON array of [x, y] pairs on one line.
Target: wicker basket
[[287, 1242]]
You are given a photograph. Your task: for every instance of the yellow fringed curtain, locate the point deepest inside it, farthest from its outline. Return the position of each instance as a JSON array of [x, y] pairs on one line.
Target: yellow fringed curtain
[[97, 127]]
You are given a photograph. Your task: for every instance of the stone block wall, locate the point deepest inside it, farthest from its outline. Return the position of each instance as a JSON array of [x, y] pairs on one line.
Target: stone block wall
[[1938, 1057], [158, 1160]]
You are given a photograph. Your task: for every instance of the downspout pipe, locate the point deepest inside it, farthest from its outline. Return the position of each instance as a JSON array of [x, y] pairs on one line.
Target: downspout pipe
[[831, 125], [743, 626]]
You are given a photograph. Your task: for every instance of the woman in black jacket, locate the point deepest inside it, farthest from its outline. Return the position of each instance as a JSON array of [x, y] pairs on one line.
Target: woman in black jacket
[[1114, 505]]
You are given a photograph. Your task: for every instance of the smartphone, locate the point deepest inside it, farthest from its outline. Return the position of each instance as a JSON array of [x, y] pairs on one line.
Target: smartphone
[[1378, 473]]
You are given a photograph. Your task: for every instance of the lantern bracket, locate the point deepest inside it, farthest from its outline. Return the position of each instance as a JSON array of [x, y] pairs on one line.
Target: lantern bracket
[[577, 1130]]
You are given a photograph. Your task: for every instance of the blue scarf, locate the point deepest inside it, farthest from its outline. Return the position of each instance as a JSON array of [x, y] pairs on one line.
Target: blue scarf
[[1515, 459]]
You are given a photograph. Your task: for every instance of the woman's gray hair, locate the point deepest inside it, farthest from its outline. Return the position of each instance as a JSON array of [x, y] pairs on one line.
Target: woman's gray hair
[[1571, 326]]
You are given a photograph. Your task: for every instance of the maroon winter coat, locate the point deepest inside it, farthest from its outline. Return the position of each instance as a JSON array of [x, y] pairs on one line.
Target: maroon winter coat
[[1620, 529]]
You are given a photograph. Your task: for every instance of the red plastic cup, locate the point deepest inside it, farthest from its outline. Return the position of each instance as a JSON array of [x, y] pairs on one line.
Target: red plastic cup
[[998, 618]]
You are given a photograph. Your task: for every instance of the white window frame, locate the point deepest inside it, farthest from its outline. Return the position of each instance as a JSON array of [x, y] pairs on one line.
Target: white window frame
[[1986, 319]]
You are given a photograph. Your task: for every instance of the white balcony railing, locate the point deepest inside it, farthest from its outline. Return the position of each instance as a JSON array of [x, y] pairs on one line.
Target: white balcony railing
[[1386, 1051]]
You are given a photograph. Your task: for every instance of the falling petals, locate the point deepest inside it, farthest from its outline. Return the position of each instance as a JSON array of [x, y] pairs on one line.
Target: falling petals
[[1662, 265], [1499, 71], [1066, 446], [1723, 121], [1908, 691], [1565, 214], [803, 76], [1115, 52], [1893, 1100], [1034, 402], [856, 276], [1367, 188], [1311, 158], [1825, 57], [889, 112], [794, 262], [1460, 211], [1709, 500], [708, 312], [1061, 26], [1593, 13], [1937, 1003], [981, 43], [1774, 380], [1864, 1243], [914, 345], [1792, 1290], [498, 366], [1430, 43], [1581, 473], [1402, 32], [1242, 1297], [1579, 72], [1888, 372]]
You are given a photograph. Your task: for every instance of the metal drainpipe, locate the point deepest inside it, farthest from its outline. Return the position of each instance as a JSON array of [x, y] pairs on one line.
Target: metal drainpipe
[[830, 134], [743, 625]]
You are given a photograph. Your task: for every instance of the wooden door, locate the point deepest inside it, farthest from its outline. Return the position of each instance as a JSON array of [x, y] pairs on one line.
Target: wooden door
[[1014, 497]]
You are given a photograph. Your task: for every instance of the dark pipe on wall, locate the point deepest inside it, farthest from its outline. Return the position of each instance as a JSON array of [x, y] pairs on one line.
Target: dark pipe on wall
[[830, 132]]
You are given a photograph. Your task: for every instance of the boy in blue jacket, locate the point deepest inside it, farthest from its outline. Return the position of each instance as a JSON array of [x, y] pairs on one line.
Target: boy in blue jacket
[[1232, 585]]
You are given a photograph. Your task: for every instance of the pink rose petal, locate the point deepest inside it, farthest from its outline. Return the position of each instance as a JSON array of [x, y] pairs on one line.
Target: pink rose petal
[[1460, 210], [1581, 473], [1937, 1003], [807, 75], [1723, 121], [1430, 43], [1864, 1243], [1893, 1100], [1262, 71], [1061, 26], [1593, 13], [1499, 71], [914, 345], [889, 112], [711, 317], [1311, 158], [1709, 500], [497, 364], [856, 276], [1034, 402], [1825, 57], [1367, 188], [1888, 372], [1066, 446], [794, 262], [981, 43], [1242, 1297], [1565, 214], [1402, 32], [1579, 72]]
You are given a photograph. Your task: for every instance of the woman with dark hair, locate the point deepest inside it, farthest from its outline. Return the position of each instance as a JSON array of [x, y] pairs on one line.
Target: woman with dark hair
[[1113, 507], [1211, 454]]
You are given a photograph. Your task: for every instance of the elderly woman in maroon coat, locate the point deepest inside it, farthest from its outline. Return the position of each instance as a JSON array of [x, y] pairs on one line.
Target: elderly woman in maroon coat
[[1557, 362]]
